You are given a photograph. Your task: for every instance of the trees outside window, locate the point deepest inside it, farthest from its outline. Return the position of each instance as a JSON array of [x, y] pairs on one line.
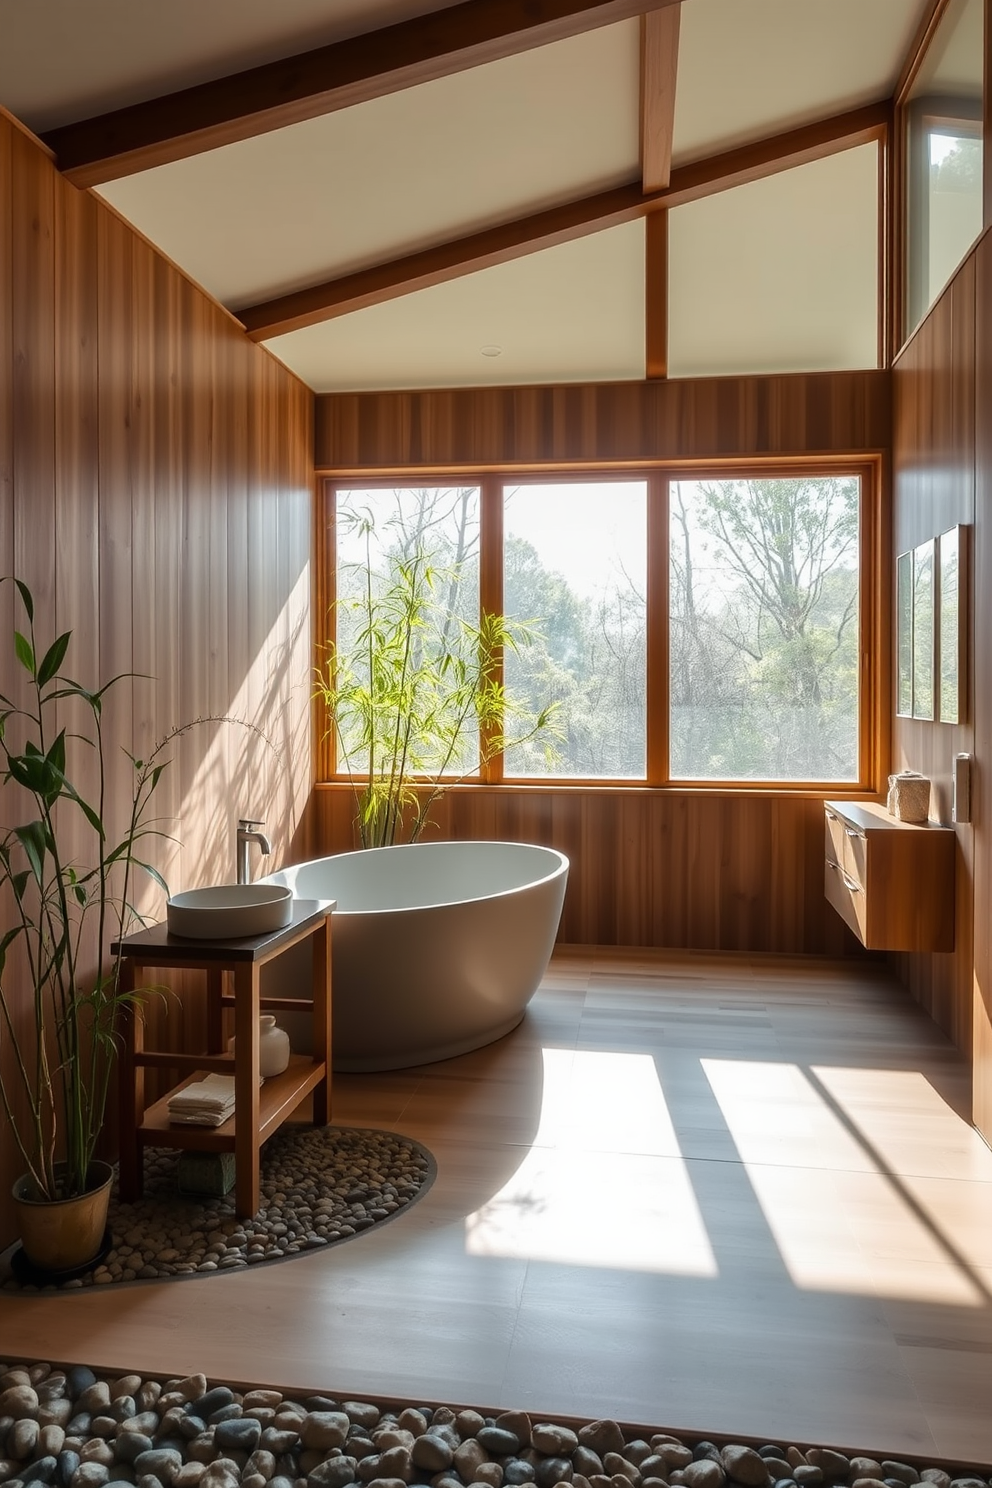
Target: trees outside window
[[751, 672]]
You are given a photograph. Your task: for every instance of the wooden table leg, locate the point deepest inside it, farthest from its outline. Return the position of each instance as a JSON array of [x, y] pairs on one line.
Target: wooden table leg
[[246, 1001], [215, 1010], [321, 944], [132, 1088]]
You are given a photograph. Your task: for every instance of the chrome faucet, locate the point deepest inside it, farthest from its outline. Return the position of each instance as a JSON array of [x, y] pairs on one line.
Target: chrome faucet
[[248, 832]]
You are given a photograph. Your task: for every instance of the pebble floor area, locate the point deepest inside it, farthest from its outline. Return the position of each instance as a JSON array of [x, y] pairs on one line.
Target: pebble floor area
[[319, 1186], [73, 1429]]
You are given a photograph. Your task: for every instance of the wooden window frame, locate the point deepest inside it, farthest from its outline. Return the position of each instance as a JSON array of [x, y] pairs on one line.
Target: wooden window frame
[[875, 632]]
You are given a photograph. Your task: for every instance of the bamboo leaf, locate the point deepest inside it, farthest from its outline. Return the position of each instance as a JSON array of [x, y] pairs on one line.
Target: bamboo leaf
[[53, 658], [34, 839], [26, 599], [24, 652]]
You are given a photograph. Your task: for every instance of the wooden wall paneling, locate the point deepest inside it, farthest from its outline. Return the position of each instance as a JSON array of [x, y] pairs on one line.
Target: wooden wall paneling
[[934, 432], [695, 418], [982, 695], [124, 409], [656, 295]]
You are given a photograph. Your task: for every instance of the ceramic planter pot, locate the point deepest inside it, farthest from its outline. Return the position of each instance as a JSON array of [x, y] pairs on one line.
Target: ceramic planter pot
[[64, 1234]]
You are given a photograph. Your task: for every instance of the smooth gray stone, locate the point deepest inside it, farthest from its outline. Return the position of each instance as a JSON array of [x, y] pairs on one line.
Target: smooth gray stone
[[895, 1469], [636, 1451], [77, 1379], [834, 1465], [516, 1471], [937, 1476], [122, 1409], [277, 1442], [229, 1412], [147, 1480], [361, 1413], [68, 1462], [586, 1461], [808, 1476], [554, 1470], [704, 1472], [704, 1450], [43, 1470], [130, 1445], [242, 1434], [212, 1400], [323, 1429], [771, 1450], [22, 1439], [19, 1401], [261, 1462], [160, 1462], [95, 1398], [498, 1441], [618, 1466], [188, 1426], [601, 1437], [90, 1475]]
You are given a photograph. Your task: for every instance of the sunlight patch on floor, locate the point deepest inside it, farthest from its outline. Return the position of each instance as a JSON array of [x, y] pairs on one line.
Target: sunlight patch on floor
[[604, 1183], [842, 1218]]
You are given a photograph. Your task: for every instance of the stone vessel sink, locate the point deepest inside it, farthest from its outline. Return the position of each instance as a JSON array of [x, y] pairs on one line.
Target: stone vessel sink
[[229, 911]]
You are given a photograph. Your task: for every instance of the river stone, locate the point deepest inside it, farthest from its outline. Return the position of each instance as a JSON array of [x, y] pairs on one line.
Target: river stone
[[278, 1442], [189, 1475], [264, 1463], [42, 1470], [387, 1483], [499, 1441], [335, 1472], [652, 1466], [161, 1462], [586, 1461], [833, 1464], [55, 1412], [78, 1377], [674, 1454], [68, 1462], [218, 1476], [745, 1466], [130, 1445], [19, 1401], [899, 1470], [619, 1467], [394, 1463], [654, 1482], [324, 1429], [490, 1473], [703, 1473], [413, 1420], [469, 1423], [552, 1440], [468, 1455], [968, 1483], [211, 1400], [601, 1437], [95, 1398], [516, 1471], [553, 1470], [90, 1475], [193, 1387], [794, 1457], [241, 1434], [95, 1450], [431, 1453], [253, 1480], [361, 1413], [808, 1476], [868, 1482], [937, 1476], [22, 1439]]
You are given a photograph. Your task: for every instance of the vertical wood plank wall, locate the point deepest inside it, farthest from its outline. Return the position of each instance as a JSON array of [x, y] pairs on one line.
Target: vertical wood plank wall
[[155, 493], [728, 870], [942, 475]]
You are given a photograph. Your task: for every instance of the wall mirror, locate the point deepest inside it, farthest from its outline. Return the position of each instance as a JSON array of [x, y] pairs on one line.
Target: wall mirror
[[904, 635], [930, 629]]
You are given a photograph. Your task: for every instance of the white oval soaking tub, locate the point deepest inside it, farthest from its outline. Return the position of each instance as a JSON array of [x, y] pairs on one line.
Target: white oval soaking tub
[[437, 947]]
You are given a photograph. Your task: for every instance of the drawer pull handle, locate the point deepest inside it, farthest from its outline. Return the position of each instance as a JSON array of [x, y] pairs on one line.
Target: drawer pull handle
[[849, 883], [853, 832]]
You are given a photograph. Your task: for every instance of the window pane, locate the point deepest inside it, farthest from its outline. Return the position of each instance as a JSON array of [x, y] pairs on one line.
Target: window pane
[[944, 155], [575, 565], [408, 554], [764, 629]]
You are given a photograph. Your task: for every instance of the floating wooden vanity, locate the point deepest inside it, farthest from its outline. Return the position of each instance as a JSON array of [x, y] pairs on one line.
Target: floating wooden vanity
[[259, 1109], [891, 881]]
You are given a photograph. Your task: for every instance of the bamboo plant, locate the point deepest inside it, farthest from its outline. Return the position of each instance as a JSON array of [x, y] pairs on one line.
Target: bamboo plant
[[413, 691], [55, 1078]]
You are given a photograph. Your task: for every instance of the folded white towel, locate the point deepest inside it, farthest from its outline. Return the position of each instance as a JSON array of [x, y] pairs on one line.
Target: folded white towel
[[215, 1093], [199, 1118]]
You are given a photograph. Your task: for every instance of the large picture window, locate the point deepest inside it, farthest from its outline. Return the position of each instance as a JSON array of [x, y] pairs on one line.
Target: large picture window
[[690, 627]]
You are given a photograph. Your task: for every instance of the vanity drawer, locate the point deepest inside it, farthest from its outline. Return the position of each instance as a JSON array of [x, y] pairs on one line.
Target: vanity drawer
[[891, 882]]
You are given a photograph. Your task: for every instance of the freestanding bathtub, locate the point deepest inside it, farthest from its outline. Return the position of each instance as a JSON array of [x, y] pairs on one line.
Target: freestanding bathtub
[[437, 947]]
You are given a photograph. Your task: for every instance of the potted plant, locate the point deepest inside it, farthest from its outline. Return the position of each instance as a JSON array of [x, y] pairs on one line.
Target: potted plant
[[62, 910], [412, 688]]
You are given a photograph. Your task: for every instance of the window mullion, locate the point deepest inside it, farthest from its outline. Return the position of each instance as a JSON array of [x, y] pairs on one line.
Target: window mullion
[[658, 647], [491, 585]]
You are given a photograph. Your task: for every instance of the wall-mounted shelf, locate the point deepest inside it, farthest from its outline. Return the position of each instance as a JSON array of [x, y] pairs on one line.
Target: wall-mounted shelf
[[892, 882]]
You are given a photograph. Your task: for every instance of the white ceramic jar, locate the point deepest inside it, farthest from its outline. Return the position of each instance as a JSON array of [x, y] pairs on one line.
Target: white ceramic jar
[[273, 1047]]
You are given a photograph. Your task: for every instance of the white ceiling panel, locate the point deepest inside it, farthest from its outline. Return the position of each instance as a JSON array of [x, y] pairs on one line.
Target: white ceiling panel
[[62, 60], [373, 182], [749, 68], [569, 314], [780, 275]]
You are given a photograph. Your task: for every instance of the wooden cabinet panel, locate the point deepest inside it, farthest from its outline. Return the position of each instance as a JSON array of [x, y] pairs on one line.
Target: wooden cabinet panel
[[892, 882]]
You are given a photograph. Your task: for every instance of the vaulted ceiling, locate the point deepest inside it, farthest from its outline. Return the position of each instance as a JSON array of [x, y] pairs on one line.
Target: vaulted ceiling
[[461, 194]]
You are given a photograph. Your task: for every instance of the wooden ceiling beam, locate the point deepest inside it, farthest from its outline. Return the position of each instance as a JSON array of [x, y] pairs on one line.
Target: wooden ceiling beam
[[556, 225], [929, 21], [659, 67], [284, 92]]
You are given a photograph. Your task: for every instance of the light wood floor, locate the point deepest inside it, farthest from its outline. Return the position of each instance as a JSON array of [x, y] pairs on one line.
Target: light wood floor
[[712, 1194]]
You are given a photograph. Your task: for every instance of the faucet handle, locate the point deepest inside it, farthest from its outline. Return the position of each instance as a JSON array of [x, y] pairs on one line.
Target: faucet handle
[[245, 823]]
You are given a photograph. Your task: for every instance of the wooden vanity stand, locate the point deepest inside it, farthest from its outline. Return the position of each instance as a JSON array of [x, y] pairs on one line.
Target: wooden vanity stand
[[259, 1109]]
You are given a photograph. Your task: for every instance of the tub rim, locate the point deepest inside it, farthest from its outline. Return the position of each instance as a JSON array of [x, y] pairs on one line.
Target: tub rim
[[562, 867]]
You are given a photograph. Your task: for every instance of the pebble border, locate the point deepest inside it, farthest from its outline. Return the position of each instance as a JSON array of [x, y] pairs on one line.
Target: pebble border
[[71, 1428], [320, 1186]]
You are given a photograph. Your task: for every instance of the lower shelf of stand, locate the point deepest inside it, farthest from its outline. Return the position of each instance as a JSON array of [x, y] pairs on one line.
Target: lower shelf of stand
[[278, 1097]]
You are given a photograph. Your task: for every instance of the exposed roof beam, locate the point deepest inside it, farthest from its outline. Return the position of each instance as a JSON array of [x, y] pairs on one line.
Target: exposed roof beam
[[576, 219], [332, 77], [659, 66], [929, 21]]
